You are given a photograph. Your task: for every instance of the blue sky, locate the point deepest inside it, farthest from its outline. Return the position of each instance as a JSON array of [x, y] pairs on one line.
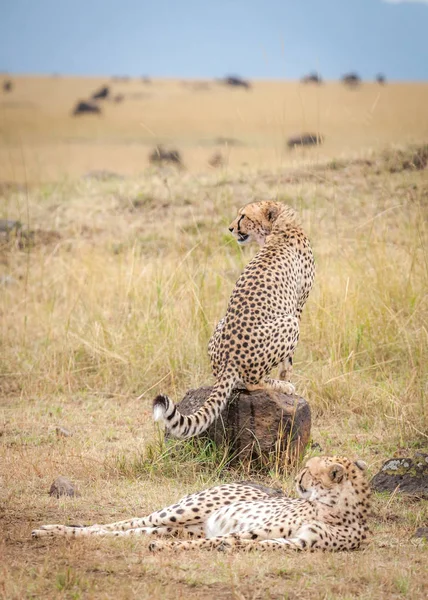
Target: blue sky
[[203, 38]]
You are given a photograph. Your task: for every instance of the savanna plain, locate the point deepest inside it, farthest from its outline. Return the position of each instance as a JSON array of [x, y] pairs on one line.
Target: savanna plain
[[113, 285]]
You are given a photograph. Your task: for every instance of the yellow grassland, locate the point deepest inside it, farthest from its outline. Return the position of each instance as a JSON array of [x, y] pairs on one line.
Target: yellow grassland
[[39, 139], [114, 298]]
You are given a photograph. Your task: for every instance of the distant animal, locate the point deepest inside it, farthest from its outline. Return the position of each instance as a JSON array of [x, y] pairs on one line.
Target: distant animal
[[217, 160], [102, 93], [161, 155], [260, 330], [305, 139], [7, 85], [381, 79], [313, 77], [118, 98], [84, 107], [351, 79], [235, 81], [330, 514]]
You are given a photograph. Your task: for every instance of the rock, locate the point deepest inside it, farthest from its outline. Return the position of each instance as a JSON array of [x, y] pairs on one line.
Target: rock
[[63, 432], [216, 161], [407, 475], [63, 487], [421, 532], [7, 225], [262, 426], [161, 155], [10, 231], [305, 139]]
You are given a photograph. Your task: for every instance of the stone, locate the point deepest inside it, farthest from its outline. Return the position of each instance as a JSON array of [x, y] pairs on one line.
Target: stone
[[305, 139], [63, 487], [63, 432], [161, 155], [7, 225], [406, 475], [421, 532], [262, 426]]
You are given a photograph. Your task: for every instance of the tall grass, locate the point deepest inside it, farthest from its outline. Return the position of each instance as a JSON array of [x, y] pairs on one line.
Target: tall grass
[[128, 311]]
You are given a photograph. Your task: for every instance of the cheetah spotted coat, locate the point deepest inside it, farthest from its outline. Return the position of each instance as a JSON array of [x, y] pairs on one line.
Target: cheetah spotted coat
[[331, 514], [260, 330]]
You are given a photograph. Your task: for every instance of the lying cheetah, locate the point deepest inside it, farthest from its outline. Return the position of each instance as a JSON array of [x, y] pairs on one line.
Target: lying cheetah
[[330, 514], [261, 327]]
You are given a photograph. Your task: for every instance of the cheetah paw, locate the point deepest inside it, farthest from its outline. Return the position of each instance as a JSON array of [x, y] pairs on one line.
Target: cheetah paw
[[288, 388]]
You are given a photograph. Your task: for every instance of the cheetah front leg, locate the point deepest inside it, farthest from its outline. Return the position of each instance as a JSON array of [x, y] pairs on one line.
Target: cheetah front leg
[[225, 543], [286, 369], [311, 536], [276, 385]]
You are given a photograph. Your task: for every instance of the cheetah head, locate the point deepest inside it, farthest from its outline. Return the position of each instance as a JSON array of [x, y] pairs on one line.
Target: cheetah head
[[324, 478], [255, 221]]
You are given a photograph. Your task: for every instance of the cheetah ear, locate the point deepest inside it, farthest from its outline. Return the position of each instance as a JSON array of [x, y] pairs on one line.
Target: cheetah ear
[[361, 464], [272, 212], [336, 472]]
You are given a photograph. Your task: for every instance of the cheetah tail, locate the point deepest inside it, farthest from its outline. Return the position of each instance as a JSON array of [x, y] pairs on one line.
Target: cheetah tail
[[186, 426]]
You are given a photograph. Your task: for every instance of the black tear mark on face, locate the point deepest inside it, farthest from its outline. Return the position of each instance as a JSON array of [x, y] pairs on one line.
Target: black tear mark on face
[[242, 237], [239, 222]]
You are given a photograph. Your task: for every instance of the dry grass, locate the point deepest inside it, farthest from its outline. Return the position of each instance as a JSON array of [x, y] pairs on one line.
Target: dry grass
[[120, 305]]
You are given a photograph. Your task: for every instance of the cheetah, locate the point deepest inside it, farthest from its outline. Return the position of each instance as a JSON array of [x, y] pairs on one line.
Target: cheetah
[[330, 514], [260, 330]]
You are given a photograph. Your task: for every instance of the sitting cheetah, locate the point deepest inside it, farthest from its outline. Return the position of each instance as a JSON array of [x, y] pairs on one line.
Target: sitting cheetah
[[261, 327], [330, 514]]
